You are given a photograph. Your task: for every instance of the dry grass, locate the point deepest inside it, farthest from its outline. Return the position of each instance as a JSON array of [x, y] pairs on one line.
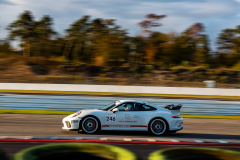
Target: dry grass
[[16, 70]]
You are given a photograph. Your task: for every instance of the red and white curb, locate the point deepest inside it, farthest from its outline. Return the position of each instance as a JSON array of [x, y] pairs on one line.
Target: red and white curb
[[208, 142]]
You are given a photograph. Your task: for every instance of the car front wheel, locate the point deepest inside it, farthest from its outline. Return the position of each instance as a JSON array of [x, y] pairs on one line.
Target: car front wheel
[[158, 126], [90, 125]]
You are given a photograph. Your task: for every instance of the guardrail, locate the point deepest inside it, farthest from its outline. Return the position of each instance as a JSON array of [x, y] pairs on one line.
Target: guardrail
[[120, 89], [75, 103]]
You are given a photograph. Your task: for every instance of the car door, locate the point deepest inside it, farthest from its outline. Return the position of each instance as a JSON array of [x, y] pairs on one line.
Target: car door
[[127, 118]]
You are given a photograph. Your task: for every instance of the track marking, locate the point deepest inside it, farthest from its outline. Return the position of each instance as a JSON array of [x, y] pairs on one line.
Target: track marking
[[17, 137], [28, 137], [175, 140], [78, 138], [127, 139], [221, 141], [103, 138], [151, 140], [11, 117], [198, 141], [3, 137]]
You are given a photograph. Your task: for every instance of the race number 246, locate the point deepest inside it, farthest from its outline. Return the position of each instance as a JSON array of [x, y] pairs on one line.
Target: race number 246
[[110, 118]]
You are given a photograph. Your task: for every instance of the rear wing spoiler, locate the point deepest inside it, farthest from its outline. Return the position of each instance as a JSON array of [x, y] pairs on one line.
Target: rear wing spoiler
[[173, 107]]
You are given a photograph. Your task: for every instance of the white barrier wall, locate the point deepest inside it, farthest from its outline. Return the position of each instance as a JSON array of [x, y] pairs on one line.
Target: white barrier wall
[[120, 89]]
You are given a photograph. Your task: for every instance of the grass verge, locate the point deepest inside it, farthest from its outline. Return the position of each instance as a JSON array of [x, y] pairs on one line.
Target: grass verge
[[48, 112], [121, 94]]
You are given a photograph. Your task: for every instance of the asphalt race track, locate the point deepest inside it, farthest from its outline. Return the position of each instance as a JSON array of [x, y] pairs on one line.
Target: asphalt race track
[[20, 126], [50, 125], [198, 132]]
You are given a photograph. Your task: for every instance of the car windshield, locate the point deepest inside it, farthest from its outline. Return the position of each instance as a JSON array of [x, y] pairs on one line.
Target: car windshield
[[109, 106]]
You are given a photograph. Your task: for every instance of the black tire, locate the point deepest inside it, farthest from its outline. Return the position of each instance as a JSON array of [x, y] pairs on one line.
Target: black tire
[[90, 125], [157, 126]]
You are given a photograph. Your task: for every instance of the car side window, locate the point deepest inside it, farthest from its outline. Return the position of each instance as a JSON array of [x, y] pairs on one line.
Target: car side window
[[145, 107], [127, 107], [138, 107], [121, 107]]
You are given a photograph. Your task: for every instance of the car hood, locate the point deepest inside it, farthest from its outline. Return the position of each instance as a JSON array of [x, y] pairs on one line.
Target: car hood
[[88, 110], [84, 110]]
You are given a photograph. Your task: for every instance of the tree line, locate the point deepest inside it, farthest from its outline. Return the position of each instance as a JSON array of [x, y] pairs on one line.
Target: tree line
[[102, 42]]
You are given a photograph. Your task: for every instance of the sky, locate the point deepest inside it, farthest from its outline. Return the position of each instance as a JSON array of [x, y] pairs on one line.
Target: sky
[[216, 15]]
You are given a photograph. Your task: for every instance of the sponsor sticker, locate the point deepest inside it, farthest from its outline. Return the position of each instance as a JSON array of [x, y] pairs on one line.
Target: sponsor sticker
[[128, 116], [127, 121], [180, 123]]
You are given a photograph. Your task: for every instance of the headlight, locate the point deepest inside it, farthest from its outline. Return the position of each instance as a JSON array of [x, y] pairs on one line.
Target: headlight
[[77, 113], [74, 121]]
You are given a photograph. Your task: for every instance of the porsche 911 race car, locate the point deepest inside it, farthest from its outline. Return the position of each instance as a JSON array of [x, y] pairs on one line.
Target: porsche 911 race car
[[126, 115]]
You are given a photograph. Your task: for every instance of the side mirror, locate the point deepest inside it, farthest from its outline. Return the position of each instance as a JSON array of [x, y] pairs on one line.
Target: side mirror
[[115, 110]]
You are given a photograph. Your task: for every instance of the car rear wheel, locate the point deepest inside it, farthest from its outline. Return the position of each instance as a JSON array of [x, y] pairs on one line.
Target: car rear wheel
[[157, 127], [90, 125]]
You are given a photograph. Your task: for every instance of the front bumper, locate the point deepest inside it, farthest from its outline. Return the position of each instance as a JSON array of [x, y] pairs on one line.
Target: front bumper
[[70, 125]]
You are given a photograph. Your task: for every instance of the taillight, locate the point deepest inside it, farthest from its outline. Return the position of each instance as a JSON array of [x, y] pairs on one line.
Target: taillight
[[177, 116]]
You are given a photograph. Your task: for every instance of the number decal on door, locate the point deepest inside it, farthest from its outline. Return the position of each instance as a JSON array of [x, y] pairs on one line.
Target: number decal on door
[[111, 118]]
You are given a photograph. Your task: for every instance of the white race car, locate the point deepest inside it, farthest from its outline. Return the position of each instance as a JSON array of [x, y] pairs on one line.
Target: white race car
[[126, 115]]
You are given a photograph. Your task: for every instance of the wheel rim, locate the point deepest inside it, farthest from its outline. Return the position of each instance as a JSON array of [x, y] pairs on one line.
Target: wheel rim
[[90, 125], [158, 126]]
